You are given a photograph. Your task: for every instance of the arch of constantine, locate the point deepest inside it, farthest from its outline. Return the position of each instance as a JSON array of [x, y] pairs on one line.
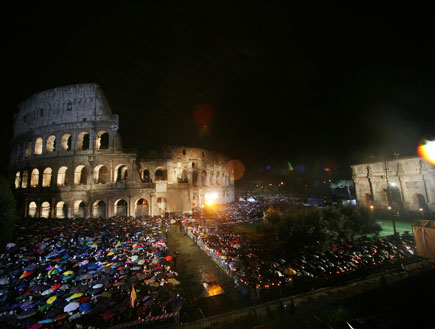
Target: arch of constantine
[[404, 185], [68, 161]]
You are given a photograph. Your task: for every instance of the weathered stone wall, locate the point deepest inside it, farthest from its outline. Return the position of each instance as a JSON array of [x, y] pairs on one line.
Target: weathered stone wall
[[85, 172], [404, 184]]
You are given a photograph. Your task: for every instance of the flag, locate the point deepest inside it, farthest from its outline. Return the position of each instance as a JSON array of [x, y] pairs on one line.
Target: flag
[[132, 296]]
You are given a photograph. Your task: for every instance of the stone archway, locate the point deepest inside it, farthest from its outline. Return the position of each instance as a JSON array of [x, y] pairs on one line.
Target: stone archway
[[419, 203], [121, 207], [99, 209], [142, 208]]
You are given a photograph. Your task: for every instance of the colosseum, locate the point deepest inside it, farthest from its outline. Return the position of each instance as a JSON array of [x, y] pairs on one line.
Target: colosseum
[[404, 185], [68, 161]]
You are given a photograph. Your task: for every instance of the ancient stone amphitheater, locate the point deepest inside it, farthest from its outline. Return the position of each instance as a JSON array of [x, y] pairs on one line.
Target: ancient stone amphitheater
[[69, 162]]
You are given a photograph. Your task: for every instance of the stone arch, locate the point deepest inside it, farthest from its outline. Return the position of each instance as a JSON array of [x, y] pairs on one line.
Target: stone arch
[[61, 210], [38, 146], [17, 179], [121, 173], [394, 197], [146, 178], [99, 209], [45, 209], [142, 208], [46, 177], [28, 148], [66, 142], [218, 183], [204, 178], [195, 201], [80, 175], [195, 178], [121, 207], [62, 177], [83, 141], [419, 203], [102, 140], [101, 174], [367, 200], [34, 178], [162, 204], [32, 209], [160, 174], [51, 143], [183, 177], [25, 179], [79, 209]]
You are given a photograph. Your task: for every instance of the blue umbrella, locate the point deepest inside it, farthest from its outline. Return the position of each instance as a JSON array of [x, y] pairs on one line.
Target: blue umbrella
[[46, 321], [30, 268], [85, 307]]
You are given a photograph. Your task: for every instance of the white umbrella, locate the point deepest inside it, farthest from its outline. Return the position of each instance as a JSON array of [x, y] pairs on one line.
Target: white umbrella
[[71, 307]]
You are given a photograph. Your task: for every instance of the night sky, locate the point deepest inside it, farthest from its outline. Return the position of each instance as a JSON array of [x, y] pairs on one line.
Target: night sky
[[324, 83]]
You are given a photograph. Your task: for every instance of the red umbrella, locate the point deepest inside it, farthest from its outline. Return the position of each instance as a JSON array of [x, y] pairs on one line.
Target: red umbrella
[[26, 274], [84, 299], [168, 258], [56, 286]]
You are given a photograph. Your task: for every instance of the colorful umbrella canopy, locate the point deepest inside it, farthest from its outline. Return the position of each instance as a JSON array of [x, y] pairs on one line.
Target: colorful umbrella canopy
[[51, 299], [71, 307]]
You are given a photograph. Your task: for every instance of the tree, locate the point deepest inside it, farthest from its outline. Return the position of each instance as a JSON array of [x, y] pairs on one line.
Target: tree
[[8, 213]]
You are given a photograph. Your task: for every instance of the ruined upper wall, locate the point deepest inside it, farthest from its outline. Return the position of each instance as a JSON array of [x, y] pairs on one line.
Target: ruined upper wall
[[63, 105]]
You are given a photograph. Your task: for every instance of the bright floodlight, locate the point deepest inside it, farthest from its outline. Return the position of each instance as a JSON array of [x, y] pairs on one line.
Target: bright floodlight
[[210, 198], [426, 150]]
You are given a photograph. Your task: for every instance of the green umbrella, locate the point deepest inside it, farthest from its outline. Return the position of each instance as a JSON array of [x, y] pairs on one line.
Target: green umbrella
[[106, 294], [43, 307], [67, 277]]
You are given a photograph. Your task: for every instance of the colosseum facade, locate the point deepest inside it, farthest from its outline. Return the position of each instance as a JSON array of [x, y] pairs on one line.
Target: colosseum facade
[[68, 161], [404, 185]]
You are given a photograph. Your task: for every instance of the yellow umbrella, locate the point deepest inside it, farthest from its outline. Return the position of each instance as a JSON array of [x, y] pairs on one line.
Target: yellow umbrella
[[51, 299], [68, 273], [110, 264], [110, 253], [76, 296]]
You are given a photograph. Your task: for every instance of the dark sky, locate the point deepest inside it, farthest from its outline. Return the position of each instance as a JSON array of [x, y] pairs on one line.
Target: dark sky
[[324, 82]]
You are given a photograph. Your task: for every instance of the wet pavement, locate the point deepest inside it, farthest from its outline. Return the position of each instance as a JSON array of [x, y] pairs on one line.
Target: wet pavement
[[197, 272]]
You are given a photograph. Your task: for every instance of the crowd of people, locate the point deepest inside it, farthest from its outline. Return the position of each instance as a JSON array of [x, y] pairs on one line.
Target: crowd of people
[[259, 269], [87, 273]]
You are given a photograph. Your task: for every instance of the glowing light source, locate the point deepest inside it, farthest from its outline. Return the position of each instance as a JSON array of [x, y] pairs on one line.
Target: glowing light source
[[426, 150], [389, 208], [210, 198]]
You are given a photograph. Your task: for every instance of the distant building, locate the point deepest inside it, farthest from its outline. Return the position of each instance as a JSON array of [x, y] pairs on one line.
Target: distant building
[[406, 184], [68, 161]]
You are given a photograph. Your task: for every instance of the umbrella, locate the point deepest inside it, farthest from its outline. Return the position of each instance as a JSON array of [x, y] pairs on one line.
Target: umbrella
[[173, 281], [79, 289], [46, 292], [65, 287], [43, 307], [67, 277], [71, 307], [60, 317], [97, 286], [74, 316], [30, 268], [68, 273], [74, 296], [106, 294], [26, 274], [168, 258], [26, 314], [4, 281], [108, 314], [86, 277], [85, 307], [36, 326], [51, 299], [46, 321], [56, 286]]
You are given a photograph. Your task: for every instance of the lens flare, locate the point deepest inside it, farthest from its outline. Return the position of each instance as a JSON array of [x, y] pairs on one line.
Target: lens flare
[[426, 150], [290, 167], [236, 167], [203, 114]]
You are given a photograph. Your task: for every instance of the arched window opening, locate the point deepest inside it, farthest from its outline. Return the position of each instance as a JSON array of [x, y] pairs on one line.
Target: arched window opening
[[121, 208], [99, 209], [66, 142], [195, 202], [195, 178], [162, 204], [81, 175], [34, 178], [184, 178], [83, 141], [420, 203], [61, 210], [394, 197], [28, 148], [51, 143], [121, 173], [25, 179], [141, 208], [101, 174], [218, 179], [62, 178], [32, 209], [102, 141], [367, 200], [203, 178], [146, 178], [38, 145], [80, 209], [46, 177], [17, 179], [45, 209], [160, 175]]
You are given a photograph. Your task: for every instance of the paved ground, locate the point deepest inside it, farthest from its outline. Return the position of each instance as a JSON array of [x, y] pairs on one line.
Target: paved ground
[[195, 267]]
